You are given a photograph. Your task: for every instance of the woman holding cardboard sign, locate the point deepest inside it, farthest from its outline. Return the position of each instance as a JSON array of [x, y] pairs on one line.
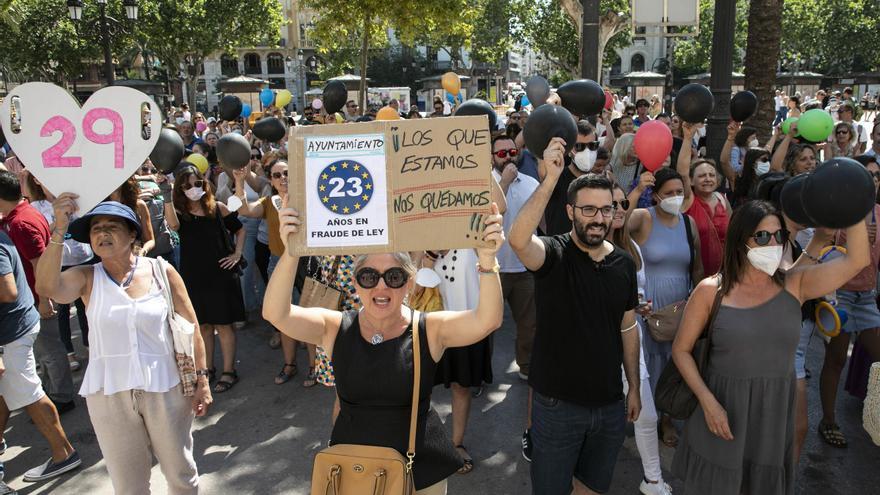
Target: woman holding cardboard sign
[[377, 341]]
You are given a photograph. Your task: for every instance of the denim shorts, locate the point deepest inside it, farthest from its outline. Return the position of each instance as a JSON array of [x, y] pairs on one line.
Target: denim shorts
[[571, 440], [800, 355], [861, 310]]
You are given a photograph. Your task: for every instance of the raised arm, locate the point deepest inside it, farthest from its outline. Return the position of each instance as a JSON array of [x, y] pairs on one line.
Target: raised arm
[[610, 138], [810, 282], [251, 210], [462, 328], [777, 163], [69, 286], [528, 248], [168, 202], [313, 325], [683, 165], [727, 167]]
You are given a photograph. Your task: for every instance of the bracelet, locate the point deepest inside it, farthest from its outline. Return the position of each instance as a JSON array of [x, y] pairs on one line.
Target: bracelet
[[489, 271], [630, 328], [202, 372], [53, 241], [810, 256]]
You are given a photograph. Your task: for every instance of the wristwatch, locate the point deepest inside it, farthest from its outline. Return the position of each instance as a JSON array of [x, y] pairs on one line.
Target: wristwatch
[[486, 271], [203, 372]]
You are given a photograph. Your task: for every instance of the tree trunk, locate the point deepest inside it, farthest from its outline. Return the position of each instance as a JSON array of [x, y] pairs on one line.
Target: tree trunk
[[192, 83], [762, 53], [365, 47]]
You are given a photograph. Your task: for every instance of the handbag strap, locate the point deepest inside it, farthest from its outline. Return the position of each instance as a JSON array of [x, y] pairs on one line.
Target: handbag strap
[[334, 271], [225, 235], [417, 378], [710, 328], [160, 265]]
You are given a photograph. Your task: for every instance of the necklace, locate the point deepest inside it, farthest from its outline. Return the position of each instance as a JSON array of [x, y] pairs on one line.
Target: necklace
[[130, 278], [377, 339]]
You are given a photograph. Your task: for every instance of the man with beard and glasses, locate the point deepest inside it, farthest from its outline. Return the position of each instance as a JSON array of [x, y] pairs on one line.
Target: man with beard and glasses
[[585, 298], [577, 163]]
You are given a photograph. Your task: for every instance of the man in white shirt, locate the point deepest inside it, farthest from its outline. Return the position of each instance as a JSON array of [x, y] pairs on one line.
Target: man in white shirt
[[517, 283], [875, 142], [779, 106]]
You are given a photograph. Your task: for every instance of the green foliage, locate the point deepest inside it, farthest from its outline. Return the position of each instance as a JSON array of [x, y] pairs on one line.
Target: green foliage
[[550, 31], [693, 55]]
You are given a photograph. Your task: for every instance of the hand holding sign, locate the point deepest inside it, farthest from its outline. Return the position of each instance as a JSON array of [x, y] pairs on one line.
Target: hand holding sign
[[289, 221], [64, 206], [494, 235], [87, 151]]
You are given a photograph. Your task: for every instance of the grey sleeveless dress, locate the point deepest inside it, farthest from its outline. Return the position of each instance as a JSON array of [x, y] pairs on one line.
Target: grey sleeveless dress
[[751, 373]]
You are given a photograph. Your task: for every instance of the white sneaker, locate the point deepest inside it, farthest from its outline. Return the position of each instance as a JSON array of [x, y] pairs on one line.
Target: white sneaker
[[659, 488]]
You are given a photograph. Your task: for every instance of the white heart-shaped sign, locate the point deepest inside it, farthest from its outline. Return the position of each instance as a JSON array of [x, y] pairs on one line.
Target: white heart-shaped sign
[[89, 151]]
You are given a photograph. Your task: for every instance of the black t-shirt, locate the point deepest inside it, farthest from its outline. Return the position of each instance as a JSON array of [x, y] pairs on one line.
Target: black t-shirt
[[555, 215], [580, 303]]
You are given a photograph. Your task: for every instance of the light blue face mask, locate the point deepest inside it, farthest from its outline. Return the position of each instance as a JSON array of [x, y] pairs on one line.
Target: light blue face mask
[[762, 167]]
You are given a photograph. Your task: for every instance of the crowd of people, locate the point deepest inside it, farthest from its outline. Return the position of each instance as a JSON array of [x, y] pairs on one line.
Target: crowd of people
[[584, 246]]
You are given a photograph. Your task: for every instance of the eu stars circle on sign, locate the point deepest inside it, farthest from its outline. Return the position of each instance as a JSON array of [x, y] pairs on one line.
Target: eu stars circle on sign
[[345, 187]]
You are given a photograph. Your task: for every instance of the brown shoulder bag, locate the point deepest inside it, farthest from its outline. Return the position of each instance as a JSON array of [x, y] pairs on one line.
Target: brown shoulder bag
[[347, 469]]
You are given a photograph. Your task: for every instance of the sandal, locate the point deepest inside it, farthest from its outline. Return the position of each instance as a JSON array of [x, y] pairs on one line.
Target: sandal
[[224, 385], [832, 435], [468, 465], [312, 379], [284, 377]]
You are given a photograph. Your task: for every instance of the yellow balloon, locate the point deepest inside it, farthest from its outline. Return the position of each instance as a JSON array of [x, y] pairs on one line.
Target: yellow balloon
[[451, 83], [199, 161], [283, 98], [387, 113]]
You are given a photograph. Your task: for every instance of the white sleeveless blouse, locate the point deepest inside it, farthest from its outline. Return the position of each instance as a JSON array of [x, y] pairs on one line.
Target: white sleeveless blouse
[[131, 342]]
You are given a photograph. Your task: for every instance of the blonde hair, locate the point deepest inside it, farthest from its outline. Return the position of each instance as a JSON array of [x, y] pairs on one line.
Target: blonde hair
[[401, 257], [622, 148]]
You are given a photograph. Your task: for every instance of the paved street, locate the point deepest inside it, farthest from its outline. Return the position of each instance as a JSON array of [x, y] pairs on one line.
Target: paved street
[[261, 438]]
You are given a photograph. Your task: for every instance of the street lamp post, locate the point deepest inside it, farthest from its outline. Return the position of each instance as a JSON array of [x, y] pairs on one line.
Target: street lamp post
[[75, 10], [302, 83], [720, 80]]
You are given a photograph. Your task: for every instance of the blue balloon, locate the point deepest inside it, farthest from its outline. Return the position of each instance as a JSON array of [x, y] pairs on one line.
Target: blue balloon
[[525, 101], [450, 98], [267, 96], [245, 110]]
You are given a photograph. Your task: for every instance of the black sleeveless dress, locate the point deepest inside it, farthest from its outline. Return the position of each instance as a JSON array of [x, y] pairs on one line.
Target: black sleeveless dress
[[374, 384]]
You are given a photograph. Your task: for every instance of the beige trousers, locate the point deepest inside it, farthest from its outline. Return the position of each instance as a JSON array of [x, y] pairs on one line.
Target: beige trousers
[[134, 425], [438, 488]]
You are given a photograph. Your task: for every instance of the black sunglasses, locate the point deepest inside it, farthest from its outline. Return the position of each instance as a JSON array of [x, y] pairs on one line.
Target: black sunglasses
[[368, 278], [278, 175], [762, 237], [592, 145], [621, 205], [198, 183]]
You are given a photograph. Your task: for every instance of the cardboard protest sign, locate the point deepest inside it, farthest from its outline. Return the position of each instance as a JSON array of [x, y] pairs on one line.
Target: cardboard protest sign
[[376, 187], [88, 151]]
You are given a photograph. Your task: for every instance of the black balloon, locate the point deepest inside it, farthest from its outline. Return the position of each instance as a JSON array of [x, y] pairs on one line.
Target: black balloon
[[743, 106], [582, 97], [770, 187], [693, 103], [230, 107], [168, 151], [791, 200], [335, 96], [838, 194], [538, 90], [270, 129], [476, 106], [545, 123], [233, 151]]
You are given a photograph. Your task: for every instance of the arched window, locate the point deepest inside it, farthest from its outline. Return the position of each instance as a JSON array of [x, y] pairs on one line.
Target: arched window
[[252, 64], [637, 63], [615, 67], [229, 66], [275, 63]]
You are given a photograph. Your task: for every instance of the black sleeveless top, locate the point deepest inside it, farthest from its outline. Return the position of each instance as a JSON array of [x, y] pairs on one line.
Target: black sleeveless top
[[374, 384]]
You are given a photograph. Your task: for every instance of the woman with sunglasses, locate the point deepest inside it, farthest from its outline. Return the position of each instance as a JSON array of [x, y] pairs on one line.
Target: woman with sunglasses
[[672, 266], [646, 424], [858, 297], [207, 268], [843, 142], [708, 208], [265, 209], [376, 342], [740, 438]]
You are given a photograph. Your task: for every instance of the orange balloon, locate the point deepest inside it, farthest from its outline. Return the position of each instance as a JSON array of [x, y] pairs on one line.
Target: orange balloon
[[451, 83], [387, 113]]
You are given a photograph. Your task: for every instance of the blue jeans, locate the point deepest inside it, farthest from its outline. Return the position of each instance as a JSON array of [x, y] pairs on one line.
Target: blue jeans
[[571, 440], [252, 287]]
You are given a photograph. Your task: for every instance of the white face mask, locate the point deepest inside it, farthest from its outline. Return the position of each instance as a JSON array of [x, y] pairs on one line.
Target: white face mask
[[765, 258], [754, 143], [584, 160], [179, 120], [762, 167], [195, 193], [672, 205]]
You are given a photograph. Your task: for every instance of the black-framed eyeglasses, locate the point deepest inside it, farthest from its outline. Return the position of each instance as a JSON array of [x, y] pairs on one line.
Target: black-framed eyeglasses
[[504, 153], [368, 278], [591, 211], [278, 175], [592, 145], [198, 183], [623, 204], [762, 237]]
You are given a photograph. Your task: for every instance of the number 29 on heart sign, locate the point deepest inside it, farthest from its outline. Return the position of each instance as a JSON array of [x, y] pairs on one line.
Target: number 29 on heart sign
[[54, 156]]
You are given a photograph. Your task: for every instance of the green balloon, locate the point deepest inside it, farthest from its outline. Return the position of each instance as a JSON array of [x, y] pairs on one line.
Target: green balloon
[[815, 125], [786, 124]]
